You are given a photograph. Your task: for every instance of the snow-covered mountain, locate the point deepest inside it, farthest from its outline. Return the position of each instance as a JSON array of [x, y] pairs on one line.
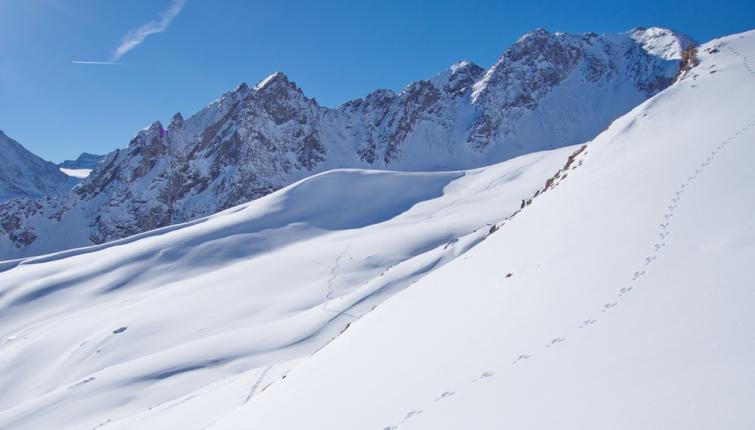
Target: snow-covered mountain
[[25, 175], [548, 90], [605, 285]]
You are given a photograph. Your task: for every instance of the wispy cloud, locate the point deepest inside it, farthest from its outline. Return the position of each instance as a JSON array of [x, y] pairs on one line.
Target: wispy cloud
[[136, 36]]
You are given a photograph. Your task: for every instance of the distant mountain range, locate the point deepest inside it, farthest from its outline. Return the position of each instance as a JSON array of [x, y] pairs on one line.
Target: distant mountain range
[[548, 90], [84, 161]]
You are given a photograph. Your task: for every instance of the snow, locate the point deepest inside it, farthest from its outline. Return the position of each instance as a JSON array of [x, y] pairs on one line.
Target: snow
[[76, 173], [619, 298], [257, 286]]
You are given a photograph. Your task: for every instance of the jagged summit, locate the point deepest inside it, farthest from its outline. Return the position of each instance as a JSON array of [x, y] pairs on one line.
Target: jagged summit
[[176, 122], [458, 76], [277, 78]]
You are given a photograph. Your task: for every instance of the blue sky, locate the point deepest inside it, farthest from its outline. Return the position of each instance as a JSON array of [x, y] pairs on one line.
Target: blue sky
[[187, 55]]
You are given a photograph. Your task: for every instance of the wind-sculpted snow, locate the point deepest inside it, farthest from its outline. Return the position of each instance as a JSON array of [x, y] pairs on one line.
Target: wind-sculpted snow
[[548, 90], [109, 333]]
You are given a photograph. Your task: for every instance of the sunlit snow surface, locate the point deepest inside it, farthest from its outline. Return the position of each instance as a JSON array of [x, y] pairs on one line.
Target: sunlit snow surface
[[622, 298], [125, 327]]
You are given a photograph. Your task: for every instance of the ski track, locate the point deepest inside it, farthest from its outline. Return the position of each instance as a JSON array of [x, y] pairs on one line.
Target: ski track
[[664, 232], [334, 273], [257, 383], [331, 288]]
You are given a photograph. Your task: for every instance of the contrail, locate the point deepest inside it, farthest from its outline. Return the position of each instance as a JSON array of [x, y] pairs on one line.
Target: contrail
[[106, 63], [135, 37]]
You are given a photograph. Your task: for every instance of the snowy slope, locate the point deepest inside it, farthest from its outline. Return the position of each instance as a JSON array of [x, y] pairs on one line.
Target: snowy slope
[[620, 297], [548, 90], [629, 305], [23, 174], [235, 299]]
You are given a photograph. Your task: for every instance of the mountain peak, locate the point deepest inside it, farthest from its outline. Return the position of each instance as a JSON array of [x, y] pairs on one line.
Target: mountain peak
[[277, 78], [538, 33], [463, 65], [458, 76], [156, 126], [176, 122]]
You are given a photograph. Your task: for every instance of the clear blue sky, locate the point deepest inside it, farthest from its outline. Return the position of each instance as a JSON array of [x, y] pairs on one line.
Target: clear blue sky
[[335, 50]]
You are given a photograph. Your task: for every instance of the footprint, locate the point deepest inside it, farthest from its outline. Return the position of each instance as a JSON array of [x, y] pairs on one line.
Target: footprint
[[586, 323], [649, 260], [522, 357], [411, 414], [624, 290], [608, 306], [555, 341], [444, 395]]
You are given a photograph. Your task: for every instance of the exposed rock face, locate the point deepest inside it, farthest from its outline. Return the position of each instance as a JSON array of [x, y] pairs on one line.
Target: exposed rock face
[[547, 90]]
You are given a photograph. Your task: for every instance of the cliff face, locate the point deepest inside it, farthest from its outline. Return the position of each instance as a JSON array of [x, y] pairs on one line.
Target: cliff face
[[547, 90]]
